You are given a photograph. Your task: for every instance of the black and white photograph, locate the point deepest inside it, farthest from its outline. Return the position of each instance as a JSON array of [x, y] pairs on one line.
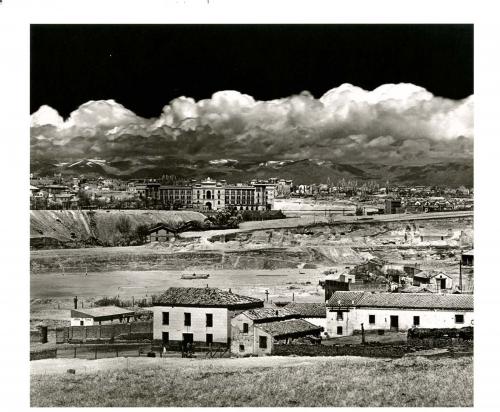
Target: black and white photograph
[[251, 215]]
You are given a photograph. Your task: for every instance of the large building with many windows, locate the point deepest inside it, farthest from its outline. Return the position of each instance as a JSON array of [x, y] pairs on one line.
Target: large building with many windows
[[211, 194]]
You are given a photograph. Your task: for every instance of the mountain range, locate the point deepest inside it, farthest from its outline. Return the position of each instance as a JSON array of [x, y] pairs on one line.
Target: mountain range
[[305, 171]]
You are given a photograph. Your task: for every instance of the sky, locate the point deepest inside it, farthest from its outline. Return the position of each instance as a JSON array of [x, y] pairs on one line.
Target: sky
[[351, 92]]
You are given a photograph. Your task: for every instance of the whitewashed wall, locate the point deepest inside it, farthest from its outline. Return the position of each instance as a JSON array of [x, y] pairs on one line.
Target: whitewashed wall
[[86, 321], [220, 329], [428, 319]]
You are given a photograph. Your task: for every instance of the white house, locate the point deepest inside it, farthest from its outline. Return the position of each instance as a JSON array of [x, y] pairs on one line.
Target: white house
[[92, 316], [435, 281], [197, 315], [347, 311]]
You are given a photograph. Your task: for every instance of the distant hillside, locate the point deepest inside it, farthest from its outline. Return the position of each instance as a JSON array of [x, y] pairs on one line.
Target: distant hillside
[[55, 227], [305, 171]]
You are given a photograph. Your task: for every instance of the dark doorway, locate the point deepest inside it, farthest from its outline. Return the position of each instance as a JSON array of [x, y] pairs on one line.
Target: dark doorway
[[164, 338], [394, 322], [443, 283], [209, 205], [187, 338]]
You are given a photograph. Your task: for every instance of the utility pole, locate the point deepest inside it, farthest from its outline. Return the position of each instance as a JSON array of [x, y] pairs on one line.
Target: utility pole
[[460, 271], [267, 295]]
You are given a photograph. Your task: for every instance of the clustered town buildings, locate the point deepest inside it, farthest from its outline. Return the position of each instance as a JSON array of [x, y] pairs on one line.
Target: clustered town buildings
[[59, 192], [210, 316]]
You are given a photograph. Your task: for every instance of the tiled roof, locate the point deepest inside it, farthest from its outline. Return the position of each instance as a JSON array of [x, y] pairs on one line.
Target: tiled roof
[[268, 313], [409, 300], [208, 297], [289, 327], [415, 289], [345, 298], [102, 311], [469, 252], [308, 310]]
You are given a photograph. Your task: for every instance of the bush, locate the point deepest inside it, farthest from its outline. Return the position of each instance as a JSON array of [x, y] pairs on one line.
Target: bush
[[106, 301], [253, 215]]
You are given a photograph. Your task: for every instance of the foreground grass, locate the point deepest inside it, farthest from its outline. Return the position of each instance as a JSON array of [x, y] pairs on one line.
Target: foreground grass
[[336, 382]]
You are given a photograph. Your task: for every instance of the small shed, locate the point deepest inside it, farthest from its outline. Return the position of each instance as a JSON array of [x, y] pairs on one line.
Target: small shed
[[91, 316], [270, 333], [434, 280], [159, 233]]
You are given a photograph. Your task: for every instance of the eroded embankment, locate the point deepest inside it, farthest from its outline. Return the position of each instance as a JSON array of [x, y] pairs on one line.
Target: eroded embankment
[[77, 228]]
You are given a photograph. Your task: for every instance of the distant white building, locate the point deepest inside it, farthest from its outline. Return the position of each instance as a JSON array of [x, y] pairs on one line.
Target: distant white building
[[97, 315], [347, 311]]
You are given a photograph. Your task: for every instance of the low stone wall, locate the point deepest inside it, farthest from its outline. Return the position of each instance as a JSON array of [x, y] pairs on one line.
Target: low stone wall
[[440, 337], [120, 331], [43, 354], [378, 351]]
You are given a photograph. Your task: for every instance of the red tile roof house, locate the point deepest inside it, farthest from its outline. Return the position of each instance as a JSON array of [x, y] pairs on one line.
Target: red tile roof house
[[255, 332], [346, 311], [200, 316]]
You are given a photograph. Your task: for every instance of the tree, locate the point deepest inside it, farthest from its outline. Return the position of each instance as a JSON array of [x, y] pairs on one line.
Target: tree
[[141, 232], [83, 198], [224, 219], [123, 225]]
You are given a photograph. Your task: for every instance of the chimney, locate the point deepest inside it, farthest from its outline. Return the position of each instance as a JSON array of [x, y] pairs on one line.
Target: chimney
[[230, 290]]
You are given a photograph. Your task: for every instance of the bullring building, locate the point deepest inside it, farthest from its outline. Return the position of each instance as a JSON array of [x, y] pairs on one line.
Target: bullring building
[[211, 194]]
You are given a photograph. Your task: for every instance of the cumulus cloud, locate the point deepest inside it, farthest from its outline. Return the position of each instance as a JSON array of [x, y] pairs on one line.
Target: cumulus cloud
[[394, 122]]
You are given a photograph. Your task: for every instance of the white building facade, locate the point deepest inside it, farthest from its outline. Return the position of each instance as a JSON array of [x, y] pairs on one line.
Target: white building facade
[[347, 311], [200, 316]]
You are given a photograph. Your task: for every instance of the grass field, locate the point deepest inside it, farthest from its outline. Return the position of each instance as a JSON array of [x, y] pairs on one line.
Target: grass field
[[271, 381]]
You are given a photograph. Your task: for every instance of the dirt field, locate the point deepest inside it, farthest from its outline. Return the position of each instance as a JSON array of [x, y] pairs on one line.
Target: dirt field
[[265, 381], [52, 293], [281, 283]]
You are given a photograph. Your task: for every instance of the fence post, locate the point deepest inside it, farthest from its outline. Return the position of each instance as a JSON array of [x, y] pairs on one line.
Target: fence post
[[75, 353], [117, 351], [96, 352]]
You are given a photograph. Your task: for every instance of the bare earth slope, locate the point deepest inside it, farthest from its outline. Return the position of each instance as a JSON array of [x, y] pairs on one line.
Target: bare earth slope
[[83, 225]]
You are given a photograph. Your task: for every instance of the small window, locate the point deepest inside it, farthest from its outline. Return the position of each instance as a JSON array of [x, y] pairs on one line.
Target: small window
[[242, 348], [416, 320], [339, 330], [166, 318], [263, 342], [459, 318], [210, 320], [371, 319], [81, 323], [210, 338], [187, 319], [340, 315], [245, 328]]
